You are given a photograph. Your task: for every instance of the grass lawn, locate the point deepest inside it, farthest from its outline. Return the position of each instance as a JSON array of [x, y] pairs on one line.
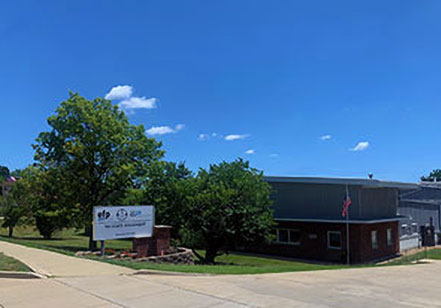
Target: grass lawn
[[10, 264], [431, 253], [69, 241]]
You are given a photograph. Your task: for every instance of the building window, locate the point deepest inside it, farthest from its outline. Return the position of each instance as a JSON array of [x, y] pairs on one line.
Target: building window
[[282, 235], [288, 236], [374, 239], [389, 237], [334, 240]]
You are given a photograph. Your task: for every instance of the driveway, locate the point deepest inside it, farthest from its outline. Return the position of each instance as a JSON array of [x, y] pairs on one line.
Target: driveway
[[394, 286]]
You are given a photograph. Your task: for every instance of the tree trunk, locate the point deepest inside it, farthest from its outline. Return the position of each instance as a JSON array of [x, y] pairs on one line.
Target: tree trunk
[[210, 255], [92, 244], [11, 230]]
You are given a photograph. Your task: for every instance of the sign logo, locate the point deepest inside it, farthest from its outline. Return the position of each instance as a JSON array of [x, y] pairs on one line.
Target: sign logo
[[121, 214], [135, 213], [103, 215]]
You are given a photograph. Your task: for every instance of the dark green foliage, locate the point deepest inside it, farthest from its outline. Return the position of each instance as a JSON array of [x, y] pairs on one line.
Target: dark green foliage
[[48, 197], [4, 172], [97, 152], [435, 175], [231, 207], [13, 207], [47, 222], [166, 187]]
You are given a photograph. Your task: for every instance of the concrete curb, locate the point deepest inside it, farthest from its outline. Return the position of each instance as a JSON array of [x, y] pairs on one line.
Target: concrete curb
[[20, 275], [166, 273]]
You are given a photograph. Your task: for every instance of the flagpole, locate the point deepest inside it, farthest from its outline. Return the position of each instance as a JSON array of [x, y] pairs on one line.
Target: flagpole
[[347, 229]]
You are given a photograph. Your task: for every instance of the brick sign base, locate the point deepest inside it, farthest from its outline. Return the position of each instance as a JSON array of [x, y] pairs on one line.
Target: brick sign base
[[157, 245]]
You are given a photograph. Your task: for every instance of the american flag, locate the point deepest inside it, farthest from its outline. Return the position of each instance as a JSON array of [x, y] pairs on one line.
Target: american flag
[[346, 203]]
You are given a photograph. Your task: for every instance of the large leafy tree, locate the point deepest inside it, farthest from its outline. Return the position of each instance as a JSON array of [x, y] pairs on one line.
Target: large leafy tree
[[166, 187], [435, 175], [98, 152], [49, 199], [14, 206], [231, 207]]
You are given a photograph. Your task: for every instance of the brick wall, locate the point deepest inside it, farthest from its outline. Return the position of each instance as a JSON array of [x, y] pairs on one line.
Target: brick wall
[[314, 242], [155, 245]]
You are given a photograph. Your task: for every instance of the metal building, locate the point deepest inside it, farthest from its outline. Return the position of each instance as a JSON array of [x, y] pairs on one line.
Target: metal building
[[310, 223]]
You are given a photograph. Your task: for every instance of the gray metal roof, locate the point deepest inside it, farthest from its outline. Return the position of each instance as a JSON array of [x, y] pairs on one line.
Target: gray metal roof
[[341, 181], [424, 194]]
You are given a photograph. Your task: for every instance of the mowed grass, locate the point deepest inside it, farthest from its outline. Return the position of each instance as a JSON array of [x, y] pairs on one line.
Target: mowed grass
[[232, 264], [69, 241], [430, 253], [11, 264]]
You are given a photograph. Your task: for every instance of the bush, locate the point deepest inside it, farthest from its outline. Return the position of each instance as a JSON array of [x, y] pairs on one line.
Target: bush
[[47, 222]]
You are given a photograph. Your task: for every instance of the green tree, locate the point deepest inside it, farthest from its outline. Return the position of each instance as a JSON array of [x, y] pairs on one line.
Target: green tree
[[166, 187], [13, 207], [98, 152], [49, 198], [4, 172], [231, 207], [435, 175]]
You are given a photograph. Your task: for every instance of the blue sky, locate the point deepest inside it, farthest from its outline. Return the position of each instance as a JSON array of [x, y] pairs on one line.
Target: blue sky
[[279, 74]]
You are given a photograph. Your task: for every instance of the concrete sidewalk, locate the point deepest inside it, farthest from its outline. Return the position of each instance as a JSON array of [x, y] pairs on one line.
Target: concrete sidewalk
[[50, 264], [85, 283]]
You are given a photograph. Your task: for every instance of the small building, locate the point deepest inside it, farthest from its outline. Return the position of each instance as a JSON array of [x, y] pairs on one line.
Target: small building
[[420, 207], [308, 212]]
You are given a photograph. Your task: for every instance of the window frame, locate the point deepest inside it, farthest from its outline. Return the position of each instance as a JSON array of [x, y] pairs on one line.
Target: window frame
[[289, 236], [389, 237], [329, 242], [372, 239]]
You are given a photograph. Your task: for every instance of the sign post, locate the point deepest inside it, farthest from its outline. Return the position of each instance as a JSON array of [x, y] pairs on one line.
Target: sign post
[[117, 222], [102, 248]]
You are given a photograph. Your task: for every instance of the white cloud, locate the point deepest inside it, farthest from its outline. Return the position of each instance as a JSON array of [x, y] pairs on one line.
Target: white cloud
[[163, 130], [129, 102], [119, 92], [160, 130], [361, 146], [235, 137], [250, 152], [179, 127], [138, 103], [325, 137], [203, 137]]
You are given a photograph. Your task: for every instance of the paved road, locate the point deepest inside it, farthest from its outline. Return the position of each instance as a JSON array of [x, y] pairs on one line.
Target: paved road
[[397, 286]]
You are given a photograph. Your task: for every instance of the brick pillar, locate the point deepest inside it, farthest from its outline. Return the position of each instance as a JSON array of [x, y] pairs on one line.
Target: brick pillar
[[161, 234], [153, 246]]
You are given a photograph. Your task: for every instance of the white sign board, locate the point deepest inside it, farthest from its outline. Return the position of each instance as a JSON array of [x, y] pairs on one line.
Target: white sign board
[[113, 222]]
